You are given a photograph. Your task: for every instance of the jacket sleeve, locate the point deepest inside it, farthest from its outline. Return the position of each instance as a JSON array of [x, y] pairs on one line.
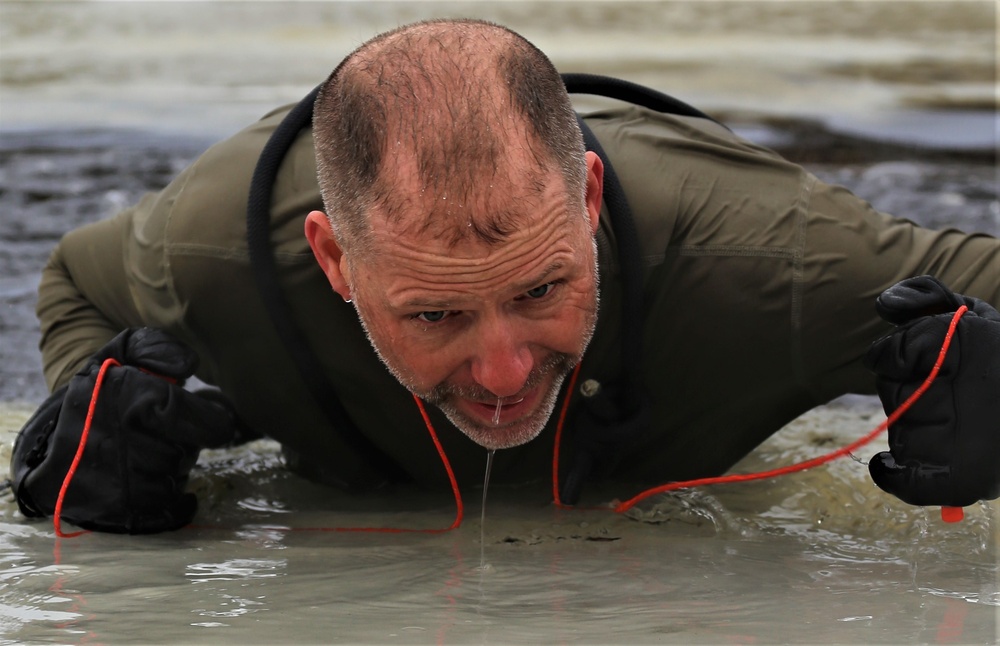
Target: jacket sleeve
[[850, 254], [83, 298], [120, 272], [107, 276]]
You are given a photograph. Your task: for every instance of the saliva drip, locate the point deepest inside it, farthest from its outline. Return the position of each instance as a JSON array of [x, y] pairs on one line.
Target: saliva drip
[[496, 414], [482, 517], [486, 485]]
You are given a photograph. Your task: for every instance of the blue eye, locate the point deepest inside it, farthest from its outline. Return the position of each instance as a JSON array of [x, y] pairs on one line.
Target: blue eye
[[540, 291], [435, 316]]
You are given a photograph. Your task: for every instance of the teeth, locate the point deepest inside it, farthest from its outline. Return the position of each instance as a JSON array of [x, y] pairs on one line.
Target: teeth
[[503, 403]]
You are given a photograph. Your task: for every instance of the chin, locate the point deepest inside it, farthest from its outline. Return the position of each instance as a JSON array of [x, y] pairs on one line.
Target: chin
[[508, 435], [493, 438]]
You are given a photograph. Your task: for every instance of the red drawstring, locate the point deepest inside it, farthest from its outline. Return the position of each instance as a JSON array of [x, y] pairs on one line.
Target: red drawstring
[[57, 515], [948, 513], [460, 508], [85, 433], [559, 427]]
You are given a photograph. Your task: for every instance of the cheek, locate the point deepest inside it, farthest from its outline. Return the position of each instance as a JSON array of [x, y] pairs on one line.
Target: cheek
[[382, 336], [420, 365], [577, 317], [424, 365], [564, 329], [428, 366], [567, 333]]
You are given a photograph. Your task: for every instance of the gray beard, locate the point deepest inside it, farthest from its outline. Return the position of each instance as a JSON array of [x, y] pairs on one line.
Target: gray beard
[[513, 434], [519, 432]]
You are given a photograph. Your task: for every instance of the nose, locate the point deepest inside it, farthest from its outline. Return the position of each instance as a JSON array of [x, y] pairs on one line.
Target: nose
[[503, 362]]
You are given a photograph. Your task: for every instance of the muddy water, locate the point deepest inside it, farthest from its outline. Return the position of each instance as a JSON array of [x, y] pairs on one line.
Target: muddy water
[[819, 557], [100, 102]]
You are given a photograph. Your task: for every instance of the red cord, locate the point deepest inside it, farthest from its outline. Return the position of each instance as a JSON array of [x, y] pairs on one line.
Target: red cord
[[460, 508], [559, 427], [57, 515], [85, 433], [823, 459], [621, 507]]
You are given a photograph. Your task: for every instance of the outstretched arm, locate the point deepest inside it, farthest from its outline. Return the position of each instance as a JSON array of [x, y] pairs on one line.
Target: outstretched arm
[[853, 253]]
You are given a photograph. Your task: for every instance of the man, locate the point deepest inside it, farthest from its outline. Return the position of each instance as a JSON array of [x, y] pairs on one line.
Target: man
[[462, 231]]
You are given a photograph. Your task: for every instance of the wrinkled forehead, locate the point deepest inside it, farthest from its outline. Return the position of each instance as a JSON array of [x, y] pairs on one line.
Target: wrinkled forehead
[[485, 207]]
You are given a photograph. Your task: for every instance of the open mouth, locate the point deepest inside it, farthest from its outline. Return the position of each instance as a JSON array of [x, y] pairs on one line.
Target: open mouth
[[502, 411]]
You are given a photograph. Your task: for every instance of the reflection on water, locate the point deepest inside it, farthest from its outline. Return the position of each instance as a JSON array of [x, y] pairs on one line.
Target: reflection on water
[[820, 556], [234, 569]]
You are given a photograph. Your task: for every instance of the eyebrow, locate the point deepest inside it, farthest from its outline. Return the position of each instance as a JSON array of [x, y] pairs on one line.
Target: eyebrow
[[540, 279], [522, 286]]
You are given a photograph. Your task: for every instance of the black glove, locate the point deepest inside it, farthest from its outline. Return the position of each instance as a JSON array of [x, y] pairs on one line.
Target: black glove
[[946, 449], [144, 439]]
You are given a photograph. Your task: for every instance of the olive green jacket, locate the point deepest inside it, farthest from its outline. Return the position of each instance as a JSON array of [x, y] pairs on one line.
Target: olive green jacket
[[758, 298]]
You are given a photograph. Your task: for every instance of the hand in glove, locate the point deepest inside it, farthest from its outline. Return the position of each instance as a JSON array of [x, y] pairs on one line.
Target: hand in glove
[[144, 439], [946, 449]]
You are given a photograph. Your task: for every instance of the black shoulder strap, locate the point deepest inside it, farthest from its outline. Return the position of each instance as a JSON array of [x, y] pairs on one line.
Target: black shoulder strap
[[265, 274], [265, 270], [622, 90]]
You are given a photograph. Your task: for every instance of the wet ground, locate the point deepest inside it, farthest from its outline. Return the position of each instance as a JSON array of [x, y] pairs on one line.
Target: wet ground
[[816, 557]]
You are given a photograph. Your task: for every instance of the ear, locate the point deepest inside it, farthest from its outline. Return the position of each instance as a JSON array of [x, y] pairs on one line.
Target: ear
[[328, 253], [595, 189]]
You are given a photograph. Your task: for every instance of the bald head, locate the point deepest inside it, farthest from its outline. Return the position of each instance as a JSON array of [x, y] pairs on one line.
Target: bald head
[[433, 124]]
